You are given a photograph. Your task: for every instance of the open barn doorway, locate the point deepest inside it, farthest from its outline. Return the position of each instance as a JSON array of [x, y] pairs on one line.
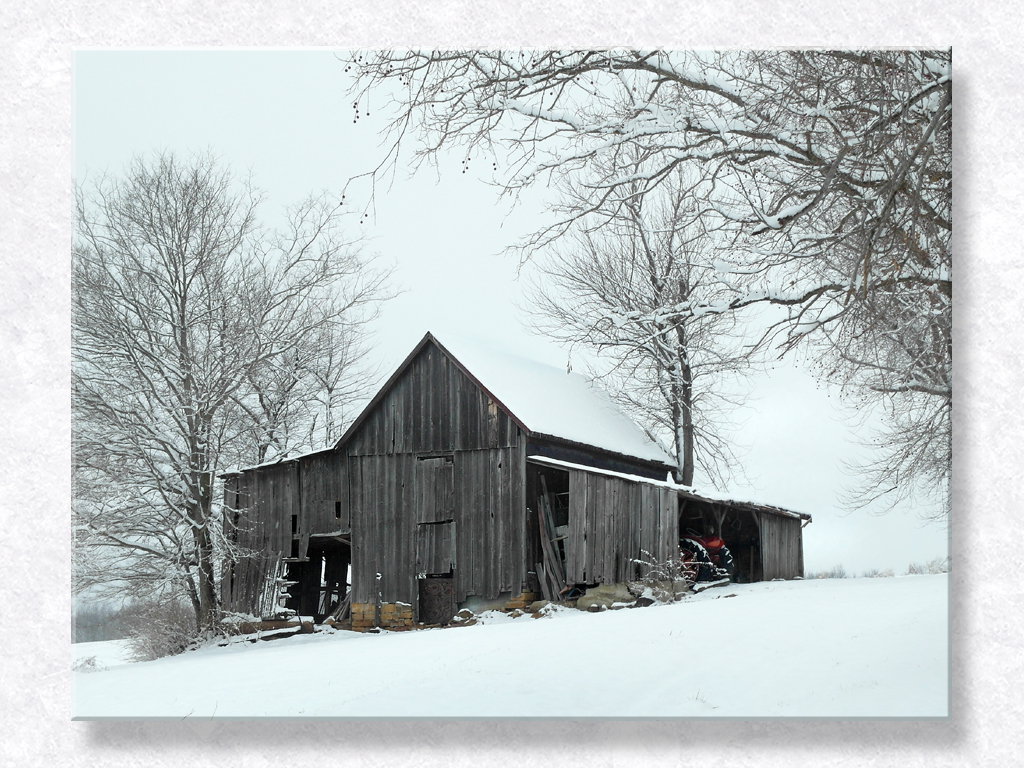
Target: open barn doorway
[[320, 581], [737, 528], [742, 536], [547, 530]]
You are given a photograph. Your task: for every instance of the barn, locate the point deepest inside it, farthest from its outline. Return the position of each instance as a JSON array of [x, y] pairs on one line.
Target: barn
[[475, 478]]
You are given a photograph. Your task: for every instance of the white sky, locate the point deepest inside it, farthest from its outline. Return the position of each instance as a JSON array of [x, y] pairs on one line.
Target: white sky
[[286, 117]]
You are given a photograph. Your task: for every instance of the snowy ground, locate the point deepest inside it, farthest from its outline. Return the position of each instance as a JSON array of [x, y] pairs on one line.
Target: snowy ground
[[822, 648], [100, 655]]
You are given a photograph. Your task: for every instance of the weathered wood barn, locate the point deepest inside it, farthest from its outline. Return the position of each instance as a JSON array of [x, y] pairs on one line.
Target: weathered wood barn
[[475, 476]]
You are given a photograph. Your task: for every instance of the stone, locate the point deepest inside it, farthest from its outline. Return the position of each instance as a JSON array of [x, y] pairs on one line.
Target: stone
[[605, 596]]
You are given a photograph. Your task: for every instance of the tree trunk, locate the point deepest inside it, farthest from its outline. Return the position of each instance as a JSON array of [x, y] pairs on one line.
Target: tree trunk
[[208, 606], [683, 409], [684, 432], [208, 603]]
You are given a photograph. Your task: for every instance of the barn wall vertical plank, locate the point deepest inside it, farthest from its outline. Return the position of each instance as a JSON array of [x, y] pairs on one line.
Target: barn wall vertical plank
[[617, 541], [595, 537], [462, 541], [518, 505], [486, 512], [478, 513], [574, 542], [610, 508], [767, 559], [498, 524]]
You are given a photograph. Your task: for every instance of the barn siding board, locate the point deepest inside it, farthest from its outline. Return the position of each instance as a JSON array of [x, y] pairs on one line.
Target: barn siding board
[[611, 502], [322, 485], [669, 525], [497, 518], [595, 536], [613, 523], [611, 513], [483, 514], [517, 509], [463, 540], [781, 555], [575, 544], [649, 522], [586, 508]]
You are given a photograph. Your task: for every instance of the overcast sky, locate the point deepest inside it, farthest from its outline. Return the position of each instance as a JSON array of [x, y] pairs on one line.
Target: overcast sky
[[285, 117]]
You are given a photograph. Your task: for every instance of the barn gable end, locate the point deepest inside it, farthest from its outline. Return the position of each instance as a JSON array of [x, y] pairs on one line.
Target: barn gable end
[[432, 425]]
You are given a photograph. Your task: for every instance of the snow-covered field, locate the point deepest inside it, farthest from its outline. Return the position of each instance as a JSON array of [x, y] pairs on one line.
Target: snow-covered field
[[100, 655], [822, 648]]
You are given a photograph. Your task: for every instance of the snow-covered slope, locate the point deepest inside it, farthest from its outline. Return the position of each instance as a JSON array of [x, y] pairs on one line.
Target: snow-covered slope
[[101, 654], [823, 648]]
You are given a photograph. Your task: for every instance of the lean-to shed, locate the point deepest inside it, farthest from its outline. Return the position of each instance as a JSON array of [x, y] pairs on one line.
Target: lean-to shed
[[474, 475]]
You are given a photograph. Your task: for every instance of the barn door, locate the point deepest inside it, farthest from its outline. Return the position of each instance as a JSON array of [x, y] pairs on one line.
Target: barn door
[[437, 600], [435, 548], [435, 538], [435, 489], [435, 566]]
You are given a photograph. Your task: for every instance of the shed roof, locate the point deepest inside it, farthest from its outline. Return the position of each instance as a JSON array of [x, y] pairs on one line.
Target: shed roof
[[710, 496]]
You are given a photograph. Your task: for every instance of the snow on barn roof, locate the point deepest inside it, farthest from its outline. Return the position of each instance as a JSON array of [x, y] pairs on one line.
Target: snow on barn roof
[[551, 402], [684, 490]]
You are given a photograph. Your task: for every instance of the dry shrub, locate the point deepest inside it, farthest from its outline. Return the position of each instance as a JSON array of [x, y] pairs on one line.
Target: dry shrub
[[835, 572], [874, 573], [666, 580], [934, 566], [158, 629]]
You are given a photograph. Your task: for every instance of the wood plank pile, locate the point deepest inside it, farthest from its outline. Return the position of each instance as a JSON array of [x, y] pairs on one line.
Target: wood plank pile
[[550, 572]]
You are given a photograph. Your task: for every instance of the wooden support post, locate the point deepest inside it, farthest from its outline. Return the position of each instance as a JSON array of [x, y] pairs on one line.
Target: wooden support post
[[719, 511], [376, 604]]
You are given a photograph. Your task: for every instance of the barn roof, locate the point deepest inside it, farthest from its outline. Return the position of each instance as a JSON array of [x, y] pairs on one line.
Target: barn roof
[[710, 496], [544, 400]]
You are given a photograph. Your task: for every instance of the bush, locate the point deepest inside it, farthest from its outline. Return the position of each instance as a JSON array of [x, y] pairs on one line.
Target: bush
[[160, 628], [874, 573], [88, 664], [663, 582], [836, 572], [934, 566]]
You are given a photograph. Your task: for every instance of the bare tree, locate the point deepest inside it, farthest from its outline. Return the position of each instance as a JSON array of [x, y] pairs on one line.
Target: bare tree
[[624, 290], [302, 399], [182, 304], [826, 175]]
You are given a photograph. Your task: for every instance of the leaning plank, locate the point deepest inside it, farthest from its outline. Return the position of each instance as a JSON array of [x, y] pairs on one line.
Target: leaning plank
[[552, 563], [341, 613], [556, 567], [542, 577]]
